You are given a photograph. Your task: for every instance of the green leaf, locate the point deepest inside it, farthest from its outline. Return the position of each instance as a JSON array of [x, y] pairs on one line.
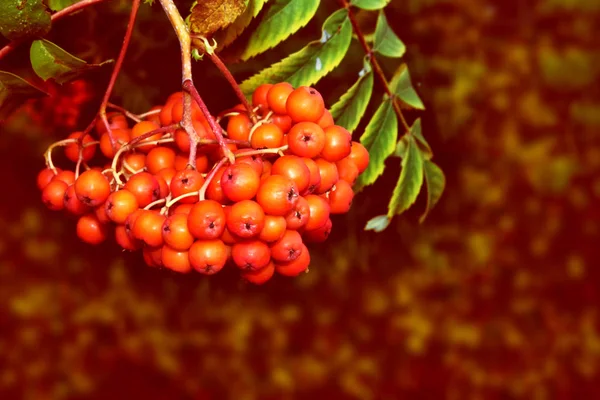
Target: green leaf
[[20, 19], [435, 182], [411, 179], [14, 91], [378, 223], [228, 35], [401, 86], [283, 18], [386, 42], [208, 16], [379, 138], [350, 108], [50, 61], [370, 4], [57, 5], [311, 63], [416, 131]]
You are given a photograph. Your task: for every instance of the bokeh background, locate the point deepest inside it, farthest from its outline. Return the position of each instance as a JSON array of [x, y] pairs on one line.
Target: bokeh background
[[495, 296]]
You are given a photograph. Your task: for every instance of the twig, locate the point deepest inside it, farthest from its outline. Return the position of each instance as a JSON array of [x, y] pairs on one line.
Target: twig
[[127, 113], [375, 64]]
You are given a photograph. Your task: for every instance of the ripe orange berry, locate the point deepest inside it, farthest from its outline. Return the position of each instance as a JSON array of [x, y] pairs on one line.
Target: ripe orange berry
[[319, 211], [175, 232], [130, 222], [267, 136], [283, 121], [124, 240], [72, 204], [299, 215], [214, 191], [277, 97], [266, 171], [152, 256], [121, 136], [182, 209], [182, 139], [259, 97], [186, 181], [315, 176], [238, 127], [240, 182], [90, 230], [338, 143], [207, 220], [251, 255], [144, 187], [329, 175], [135, 161], [66, 176], [167, 174], [160, 157], [340, 197], [115, 119], [294, 168], [318, 235], [148, 228], [175, 260], [347, 170], [305, 104], [360, 156], [72, 150], [100, 212], [164, 187], [306, 139], [182, 160], [255, 161], [246, 219], [208, 256], [295, 267], [53, 195], [45, 176], [154, 117], [119, 205], [92, 188], [260, 276], [288, 248], [277, 195], [274, 228], [326, 120], [142, 128]]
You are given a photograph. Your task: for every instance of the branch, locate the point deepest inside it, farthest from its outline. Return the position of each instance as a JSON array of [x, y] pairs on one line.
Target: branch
[[375, 64], [55, 17]]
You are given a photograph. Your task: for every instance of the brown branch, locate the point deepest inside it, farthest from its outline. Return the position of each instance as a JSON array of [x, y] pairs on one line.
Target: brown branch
[[55, 17], [375, 64]]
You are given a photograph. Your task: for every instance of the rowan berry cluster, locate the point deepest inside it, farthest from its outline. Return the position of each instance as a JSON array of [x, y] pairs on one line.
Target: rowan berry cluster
[[293, 169]]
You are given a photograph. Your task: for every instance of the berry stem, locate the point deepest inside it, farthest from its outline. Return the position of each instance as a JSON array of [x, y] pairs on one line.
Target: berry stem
[[259, 123], [64, 142], [234, 85], [155, 203], [149, 113], [127, 113], [136, 141], [276, 150], [183, 196], [55, 17], [209, 178], [375, 64]]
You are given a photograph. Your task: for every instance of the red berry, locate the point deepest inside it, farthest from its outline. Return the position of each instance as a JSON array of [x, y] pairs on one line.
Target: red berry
[[92, 188], [208, 256], [207, 220], [251, 255], [90, 230]]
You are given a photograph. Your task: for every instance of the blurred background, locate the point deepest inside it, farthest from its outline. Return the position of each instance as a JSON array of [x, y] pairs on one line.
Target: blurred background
[[495, 296]]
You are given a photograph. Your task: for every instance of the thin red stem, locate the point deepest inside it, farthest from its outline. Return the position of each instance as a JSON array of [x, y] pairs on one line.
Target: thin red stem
[[209, 177], [145, 136], [55, 17]]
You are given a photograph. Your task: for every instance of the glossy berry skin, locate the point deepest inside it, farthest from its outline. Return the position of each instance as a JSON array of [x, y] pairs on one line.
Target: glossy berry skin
[[259, 97], [277, 195], [295, 267], [130, 222], [124, 240], [246, 219], [181, 209], [152, 256], [92, 188], [121, 136], [329, 175], [44, 177], [238, 127], [72, 204], [306, 139], [267, 136], [260, 276], [255, 161], [115, 120], [167, 174], [206, 220], [288, 248], [142, 128], [175, 260], [315, 176], [318, 235], [294, 168], [148, 228], [326, 120], [160, 157], [90, 230], [360, 156], [319, 211], [53, 195], [135, 161], [347, 170], [66, 176], [215, 190], [175, 232], [283, 121], [277, 97], [144, 187], [305, 104], [186, 181], [251, 255], [208, 256], [340, 198], [119, 205], [274, 228], [100, 212], [164, 188], [338, 143], [299, 215], [240, 182], [87, 152]]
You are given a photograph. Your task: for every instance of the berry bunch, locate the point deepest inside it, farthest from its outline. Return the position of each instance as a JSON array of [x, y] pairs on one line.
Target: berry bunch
[[293, 169]]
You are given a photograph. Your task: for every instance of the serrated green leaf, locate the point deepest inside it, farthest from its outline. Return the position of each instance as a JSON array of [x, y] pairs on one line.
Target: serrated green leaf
[[57, 5], [370, 4], [20, 19], [351, 106], [50, 61], [417, 132], [379, 139], [228, 35], [208, 16], [411, 179], [435, 180], [378, 223], [386, 42], [283, 18], [311, 63], [401, 147], [14, 91], [402, 87]]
